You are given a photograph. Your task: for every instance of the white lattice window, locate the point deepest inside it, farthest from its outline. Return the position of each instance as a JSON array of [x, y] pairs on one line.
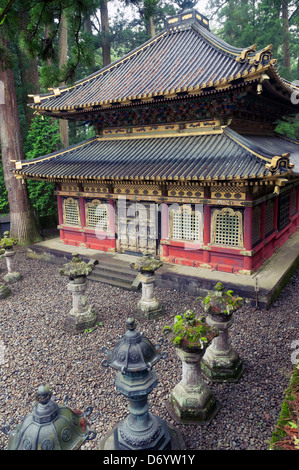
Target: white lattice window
[[97, 215], [185, 223], [226, 228], [71, 212]]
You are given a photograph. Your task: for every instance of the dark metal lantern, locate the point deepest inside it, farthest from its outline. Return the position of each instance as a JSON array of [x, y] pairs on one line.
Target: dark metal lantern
[[51, 426], [133, 353], [133, 357]]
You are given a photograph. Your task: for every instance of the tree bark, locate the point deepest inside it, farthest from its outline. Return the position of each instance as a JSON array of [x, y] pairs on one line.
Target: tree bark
[[106, 49], [150, 27], [62, 53], [286, 41], [30, 83], [23, 225], [29, 76]]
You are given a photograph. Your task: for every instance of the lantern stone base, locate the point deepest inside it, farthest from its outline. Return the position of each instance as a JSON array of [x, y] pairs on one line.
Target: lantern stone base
[[75, 323], [4, 291], [196, 407], [221, 366], [191, 401], [111, 442], [12, 277], [148, 310]]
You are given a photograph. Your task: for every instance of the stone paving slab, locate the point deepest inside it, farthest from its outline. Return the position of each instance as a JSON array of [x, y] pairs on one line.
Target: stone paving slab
[[260, 289]]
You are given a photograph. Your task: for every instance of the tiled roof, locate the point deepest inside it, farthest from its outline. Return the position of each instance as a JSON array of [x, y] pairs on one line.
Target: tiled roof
[[185, 57], [192, 157]]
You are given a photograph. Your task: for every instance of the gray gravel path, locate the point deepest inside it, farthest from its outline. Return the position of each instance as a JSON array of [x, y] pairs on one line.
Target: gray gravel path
[[37, 350]]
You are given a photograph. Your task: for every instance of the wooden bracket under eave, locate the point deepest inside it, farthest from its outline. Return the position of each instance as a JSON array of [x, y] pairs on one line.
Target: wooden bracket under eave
[[279, 183]]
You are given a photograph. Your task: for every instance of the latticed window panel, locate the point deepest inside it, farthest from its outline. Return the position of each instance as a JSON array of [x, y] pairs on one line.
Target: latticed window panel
[[256, 225], [97, 215], [284, 210], [269, 217], [71, 213], [293, 201], [227, 228], [185, 223]]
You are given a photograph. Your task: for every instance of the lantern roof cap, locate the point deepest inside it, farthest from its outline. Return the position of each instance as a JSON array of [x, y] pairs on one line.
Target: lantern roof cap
[[133, 352]]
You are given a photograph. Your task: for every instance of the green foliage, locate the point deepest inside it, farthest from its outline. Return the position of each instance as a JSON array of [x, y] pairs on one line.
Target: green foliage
[[286, 434], [43, 138], [220, 302], [4, 206], [289, 128], [127, 34], [7, 242], [189, 332], [243, 24], [76, 268]]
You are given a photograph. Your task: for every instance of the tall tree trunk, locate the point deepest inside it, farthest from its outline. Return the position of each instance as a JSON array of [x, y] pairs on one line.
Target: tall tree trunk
[[29, 75], [150, 27], [23, 224], [30, 83], [106, 49], [286, 40], [87, 26], [63, 124]]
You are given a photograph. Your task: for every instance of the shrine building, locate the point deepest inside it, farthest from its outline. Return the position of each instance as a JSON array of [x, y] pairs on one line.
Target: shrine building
[[185, 162]]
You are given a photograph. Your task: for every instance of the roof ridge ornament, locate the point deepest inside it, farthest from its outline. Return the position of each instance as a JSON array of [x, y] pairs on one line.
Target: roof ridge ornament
[[185, 19], [243, 57], [262, 57], [280, 162]]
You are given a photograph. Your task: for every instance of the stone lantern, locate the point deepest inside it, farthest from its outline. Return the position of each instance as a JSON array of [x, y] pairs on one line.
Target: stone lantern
[[7, 243], [5, 291], [221, 363], [50, 426], [134, 357], [82, 316], [148, 307], [191, 401]]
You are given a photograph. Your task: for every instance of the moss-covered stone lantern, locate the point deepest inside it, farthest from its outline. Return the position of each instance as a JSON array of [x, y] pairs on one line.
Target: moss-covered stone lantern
[[50, 426], [82, 316], [148, 307], [134, 357], [221, 363], [6, 244], [191, 401], [5, 291]]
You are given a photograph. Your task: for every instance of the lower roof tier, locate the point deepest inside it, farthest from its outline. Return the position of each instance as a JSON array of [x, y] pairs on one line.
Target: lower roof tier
[[225, 155]]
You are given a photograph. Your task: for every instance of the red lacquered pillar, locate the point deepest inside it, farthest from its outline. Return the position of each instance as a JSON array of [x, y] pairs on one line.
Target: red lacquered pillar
[[206, 231], [164, 227], [248, 236], [60, 215]]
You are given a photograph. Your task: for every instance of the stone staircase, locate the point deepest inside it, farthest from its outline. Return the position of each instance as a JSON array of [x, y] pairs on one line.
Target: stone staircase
[[115, 274]]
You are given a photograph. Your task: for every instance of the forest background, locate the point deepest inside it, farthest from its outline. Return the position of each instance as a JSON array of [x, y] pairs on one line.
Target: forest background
[[48, 43]]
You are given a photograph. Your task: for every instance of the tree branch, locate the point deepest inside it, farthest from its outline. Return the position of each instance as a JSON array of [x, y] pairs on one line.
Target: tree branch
[[5, 10]]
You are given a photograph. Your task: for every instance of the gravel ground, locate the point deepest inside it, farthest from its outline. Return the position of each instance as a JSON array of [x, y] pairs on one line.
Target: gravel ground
[[37, 350]]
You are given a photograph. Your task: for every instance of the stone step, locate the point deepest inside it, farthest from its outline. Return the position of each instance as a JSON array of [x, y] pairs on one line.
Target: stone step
[[115, 274], [115, 268], [113, 282], [109, 274]]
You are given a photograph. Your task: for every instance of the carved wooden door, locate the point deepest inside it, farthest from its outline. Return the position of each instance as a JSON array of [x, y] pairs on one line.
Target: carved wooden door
[[137, 226]]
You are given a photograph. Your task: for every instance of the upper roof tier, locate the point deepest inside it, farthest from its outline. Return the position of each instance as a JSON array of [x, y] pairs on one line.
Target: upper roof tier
[[185, 58]]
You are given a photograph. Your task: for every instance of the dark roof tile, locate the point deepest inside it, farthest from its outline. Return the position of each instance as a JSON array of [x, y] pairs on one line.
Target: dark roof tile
[[214, 156]]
